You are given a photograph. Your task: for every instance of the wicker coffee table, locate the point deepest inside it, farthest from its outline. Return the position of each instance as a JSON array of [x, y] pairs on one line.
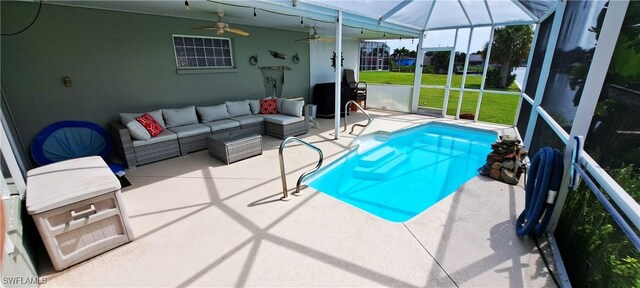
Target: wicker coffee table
[[233, 149]]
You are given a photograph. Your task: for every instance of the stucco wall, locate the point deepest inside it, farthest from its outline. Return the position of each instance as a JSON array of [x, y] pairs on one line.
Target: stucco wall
[[321, 53], [124, 62]]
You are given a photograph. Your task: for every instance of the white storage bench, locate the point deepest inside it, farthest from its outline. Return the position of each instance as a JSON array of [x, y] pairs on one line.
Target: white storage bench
[[78, 210]]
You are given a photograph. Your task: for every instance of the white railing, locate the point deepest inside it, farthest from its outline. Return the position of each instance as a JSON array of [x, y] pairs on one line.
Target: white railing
[[623, 200]]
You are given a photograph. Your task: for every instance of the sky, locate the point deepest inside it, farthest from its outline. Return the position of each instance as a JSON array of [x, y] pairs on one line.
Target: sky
[[445, 39]]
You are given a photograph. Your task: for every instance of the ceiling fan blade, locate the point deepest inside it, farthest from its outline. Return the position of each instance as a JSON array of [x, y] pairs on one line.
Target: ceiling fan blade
[[325, 39], [305, 39], [237, 31], [204, 28]]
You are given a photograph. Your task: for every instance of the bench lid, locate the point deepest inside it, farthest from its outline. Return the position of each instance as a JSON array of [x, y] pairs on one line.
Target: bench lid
[[63, 183]]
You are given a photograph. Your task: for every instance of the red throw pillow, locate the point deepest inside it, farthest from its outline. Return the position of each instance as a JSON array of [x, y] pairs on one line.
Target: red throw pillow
[[150, 124], [268, 106]]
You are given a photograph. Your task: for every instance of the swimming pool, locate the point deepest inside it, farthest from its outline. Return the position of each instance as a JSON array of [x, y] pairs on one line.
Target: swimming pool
[[398, 175]]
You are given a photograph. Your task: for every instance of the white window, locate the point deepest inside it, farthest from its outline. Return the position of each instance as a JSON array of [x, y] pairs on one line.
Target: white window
[[202, 52]]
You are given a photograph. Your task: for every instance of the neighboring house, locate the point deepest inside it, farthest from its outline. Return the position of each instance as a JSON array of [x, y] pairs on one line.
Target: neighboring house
[[374, 56], [426, 61], [475, 59], [405, 61]]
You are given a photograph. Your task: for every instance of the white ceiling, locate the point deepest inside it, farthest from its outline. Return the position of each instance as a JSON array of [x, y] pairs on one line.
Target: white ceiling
[[364, 19]]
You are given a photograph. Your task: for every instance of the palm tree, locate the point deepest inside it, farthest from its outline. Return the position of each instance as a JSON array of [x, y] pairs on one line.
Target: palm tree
[[511, 45], [399, 54]]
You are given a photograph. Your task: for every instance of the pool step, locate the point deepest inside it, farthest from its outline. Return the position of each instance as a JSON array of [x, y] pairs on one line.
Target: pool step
[[445, 145], [380, 171], [376, 157]]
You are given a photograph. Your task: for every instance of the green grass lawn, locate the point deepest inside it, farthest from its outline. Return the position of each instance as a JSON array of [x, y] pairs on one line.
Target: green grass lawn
[[405, 78], [495, 108]]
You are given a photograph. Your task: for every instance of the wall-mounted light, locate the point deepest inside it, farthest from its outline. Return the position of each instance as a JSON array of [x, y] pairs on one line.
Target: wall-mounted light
[[67, 81], [361, 31], [186, 4], [254, 13], [301, 22], [384, 35]]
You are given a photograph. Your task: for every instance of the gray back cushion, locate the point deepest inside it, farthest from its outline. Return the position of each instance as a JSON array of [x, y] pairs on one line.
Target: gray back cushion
[[156, 114], [255, 106], [136, 129], [213, 113], [238, 108], [292, 107], [180, 116]]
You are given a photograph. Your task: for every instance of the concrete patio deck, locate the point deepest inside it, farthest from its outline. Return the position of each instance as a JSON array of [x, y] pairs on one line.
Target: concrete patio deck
[[198, 222]]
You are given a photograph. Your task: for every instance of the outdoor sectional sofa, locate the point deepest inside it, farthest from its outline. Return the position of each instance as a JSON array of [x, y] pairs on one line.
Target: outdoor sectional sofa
[[186, 129]]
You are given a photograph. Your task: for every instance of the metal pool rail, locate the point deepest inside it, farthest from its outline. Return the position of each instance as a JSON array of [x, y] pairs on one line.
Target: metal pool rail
[[285, 191], [354, 125]]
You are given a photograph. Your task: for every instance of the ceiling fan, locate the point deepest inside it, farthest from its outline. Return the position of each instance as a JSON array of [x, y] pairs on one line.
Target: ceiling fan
[[316, 37], [221, 27]]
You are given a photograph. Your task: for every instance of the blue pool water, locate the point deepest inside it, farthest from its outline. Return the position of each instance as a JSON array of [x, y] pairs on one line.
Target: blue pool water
[[398, 175]]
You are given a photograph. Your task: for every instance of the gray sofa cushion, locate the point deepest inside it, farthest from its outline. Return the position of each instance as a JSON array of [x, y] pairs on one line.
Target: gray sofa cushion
[[279, 104], [180, 116], [128, 120], [156, 114], [164, 136], [249, 120], [190, 130], [222, 124], [255, 106], [282, 119], [238, 108], [292, 107], [213, 113], [136, 130]]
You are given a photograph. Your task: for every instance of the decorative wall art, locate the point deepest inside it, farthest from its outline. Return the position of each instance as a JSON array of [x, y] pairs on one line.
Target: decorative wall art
[[333, 60], [295, 58], [253, 60], [273, 78], [277, 55]]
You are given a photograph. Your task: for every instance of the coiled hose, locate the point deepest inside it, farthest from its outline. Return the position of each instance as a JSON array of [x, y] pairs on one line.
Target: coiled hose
[[543, 183]]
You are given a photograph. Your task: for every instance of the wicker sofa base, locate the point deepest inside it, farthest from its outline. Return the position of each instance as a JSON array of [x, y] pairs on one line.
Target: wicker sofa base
[[247, 130], [284, 131], [193, 143], [155, 152]]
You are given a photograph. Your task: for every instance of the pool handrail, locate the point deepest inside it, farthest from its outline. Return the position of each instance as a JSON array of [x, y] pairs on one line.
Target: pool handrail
[[357, 124], [285, 191]]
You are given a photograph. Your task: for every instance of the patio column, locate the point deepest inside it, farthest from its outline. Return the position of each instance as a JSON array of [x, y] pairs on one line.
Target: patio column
[[417, 76], [447, 90], [484, 73], [544, 71], [464, 74], [11, 163], [526, 79], [338, 74]]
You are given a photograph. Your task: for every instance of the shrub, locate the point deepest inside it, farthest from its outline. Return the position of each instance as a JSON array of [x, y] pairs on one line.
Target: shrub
[[595, 251], [493, 77]]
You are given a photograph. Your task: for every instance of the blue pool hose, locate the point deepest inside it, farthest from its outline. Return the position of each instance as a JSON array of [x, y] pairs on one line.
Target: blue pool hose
[[545, 175]]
